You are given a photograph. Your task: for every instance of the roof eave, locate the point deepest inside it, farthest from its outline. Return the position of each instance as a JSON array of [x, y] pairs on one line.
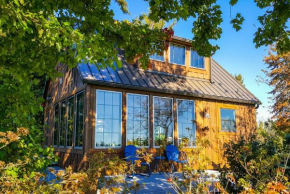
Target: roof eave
[[117, 85]]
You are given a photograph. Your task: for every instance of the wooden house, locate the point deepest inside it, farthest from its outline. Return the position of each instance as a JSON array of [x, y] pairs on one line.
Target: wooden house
[[92, 109]]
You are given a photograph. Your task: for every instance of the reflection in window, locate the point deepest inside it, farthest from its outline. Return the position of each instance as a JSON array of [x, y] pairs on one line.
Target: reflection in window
[[196, 60], [228, 120], [186, 124], [108, 119], [70, 122], [163, 121], [157, 57], [62, 123], [137, 120], [56, 125], [177, 54], [79, 131]]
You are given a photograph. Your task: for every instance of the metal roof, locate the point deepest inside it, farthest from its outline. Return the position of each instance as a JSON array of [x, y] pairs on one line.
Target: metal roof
[[222, 85]]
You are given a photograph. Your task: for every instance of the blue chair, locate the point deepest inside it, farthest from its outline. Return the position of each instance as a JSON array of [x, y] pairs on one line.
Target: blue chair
[[130, 156], [172, 154]]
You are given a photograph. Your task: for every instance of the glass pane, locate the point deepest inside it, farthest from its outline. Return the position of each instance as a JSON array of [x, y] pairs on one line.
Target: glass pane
[[79, 120], [109, 125], [62, 123], [101, 111], [56, 125], [137, 120], [99, 140], [108, 98], [116, 140], [108, 139], [186, 125], [101, 97], [108, 111], [70, 121], [177, 54], [163, 121], [196, 60], [157, 57], [228, 120]]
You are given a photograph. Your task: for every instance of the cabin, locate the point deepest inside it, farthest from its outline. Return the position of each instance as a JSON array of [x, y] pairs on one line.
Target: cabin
[[91, 109]]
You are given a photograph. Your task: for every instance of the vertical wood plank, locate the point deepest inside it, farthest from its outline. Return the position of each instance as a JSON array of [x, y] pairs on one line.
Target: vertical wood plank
[[175, 132], [124, 118], [151, 119]]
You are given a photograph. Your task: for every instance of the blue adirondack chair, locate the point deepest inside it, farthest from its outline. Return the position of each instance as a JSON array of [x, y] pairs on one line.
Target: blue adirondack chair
[[172, 154], [130, 156]]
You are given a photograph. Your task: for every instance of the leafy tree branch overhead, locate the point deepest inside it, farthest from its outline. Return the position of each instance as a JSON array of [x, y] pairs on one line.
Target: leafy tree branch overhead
[[35, 35]]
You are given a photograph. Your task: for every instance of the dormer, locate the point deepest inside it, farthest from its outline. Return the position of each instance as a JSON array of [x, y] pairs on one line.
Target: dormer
[[180, 58]]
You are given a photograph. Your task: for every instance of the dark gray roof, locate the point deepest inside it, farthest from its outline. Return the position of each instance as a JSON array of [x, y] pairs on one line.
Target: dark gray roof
[[222, 85]]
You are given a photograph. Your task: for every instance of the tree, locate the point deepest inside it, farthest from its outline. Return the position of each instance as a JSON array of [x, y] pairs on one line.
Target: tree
[[36, 35], [240, 78], [279, 79]]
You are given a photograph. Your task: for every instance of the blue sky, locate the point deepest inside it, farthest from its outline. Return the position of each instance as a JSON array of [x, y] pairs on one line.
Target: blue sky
[[237, 52]]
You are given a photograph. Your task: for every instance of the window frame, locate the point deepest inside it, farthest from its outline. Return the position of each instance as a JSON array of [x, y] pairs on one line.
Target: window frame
[[148, 118], [65, 120], [231, 107], [177, 120], [57, 141], [184, 54], [75, 120], [121, 120], [66, 130], [204, 68], [172, 105], [157, 59]]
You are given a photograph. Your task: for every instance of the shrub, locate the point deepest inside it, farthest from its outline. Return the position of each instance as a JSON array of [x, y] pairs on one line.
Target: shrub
[[258, 163]]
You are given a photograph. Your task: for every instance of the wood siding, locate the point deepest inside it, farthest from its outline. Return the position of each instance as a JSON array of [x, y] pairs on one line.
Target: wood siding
[[183, 70], [245, 121], [58, 90]]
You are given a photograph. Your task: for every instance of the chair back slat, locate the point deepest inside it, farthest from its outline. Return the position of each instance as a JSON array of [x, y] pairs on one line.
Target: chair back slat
[[172, 153], [130, 152]]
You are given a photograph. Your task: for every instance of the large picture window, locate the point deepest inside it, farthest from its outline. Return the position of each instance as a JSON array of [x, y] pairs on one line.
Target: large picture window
[[137, 120], [56, 125], [177, 54], [62, 123], [163, 121], [108, 119], [79, 128], [186, 123], [196, 61], [228, 120], [69, 122]]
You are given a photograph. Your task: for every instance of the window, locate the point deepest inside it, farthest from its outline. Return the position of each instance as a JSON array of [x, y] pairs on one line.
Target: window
[[177, 54], [196, 60], [185, 123], [79, 129], [137, 120], [163, 121], [108, 119], [228, 120], [62, 123], [157, 57], [56, 125], [70, 122]]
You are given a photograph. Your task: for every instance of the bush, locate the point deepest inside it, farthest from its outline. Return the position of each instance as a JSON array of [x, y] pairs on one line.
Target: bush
[[258, 163]]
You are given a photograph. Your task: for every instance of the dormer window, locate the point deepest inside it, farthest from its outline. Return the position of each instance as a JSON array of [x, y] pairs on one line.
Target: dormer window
[[157, 57], [177, 54], [196, 61]]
